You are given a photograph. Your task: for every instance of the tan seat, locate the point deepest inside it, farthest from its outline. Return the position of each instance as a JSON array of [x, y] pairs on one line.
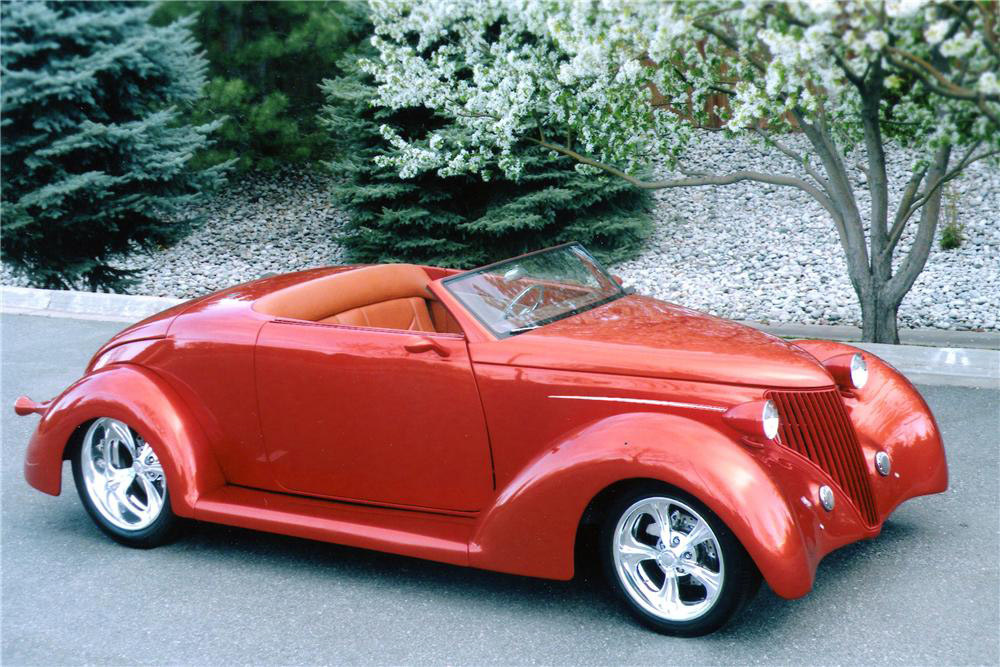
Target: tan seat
[[410, 314], [388, 296]]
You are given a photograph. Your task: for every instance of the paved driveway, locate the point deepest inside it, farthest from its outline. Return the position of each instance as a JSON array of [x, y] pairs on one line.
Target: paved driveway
[[925, 592]]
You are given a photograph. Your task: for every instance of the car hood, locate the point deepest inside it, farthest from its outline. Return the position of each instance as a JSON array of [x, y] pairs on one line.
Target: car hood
[[641, 336]]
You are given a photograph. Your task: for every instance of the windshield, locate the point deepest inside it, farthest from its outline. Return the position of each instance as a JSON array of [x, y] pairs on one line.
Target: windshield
[[524, 293]]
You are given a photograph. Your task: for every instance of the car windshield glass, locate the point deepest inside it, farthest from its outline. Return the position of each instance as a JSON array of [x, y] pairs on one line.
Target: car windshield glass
[[524, 293]]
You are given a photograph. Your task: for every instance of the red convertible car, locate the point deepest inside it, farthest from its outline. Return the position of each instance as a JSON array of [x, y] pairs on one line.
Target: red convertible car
[[488, 418]]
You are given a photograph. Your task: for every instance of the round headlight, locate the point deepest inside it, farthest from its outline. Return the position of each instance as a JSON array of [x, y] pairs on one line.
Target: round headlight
[[859, 371], [769, 417]]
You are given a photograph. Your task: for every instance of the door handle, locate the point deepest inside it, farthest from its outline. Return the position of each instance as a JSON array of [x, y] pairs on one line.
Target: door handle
[[419, 344]]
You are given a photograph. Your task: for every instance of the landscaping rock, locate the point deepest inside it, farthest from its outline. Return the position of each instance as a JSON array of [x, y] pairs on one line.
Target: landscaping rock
[[743, 251]]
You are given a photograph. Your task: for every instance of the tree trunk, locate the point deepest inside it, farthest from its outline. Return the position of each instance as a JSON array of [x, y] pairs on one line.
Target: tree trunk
[[878, 318]]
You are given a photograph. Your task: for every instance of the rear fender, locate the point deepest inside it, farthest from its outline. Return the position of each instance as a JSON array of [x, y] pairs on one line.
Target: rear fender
[[531, 529], [145, 402]]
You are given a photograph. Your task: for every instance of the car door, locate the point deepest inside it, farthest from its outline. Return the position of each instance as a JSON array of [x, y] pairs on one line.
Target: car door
[[373, 415]]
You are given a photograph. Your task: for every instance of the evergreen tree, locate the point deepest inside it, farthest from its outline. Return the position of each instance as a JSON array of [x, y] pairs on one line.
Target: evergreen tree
[[266, 61], [462, 221], [94, 159]]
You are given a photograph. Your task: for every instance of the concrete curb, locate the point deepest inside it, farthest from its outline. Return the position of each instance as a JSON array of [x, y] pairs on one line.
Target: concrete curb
[[987, 340], [81, 305], [960, 358], [957, 366]]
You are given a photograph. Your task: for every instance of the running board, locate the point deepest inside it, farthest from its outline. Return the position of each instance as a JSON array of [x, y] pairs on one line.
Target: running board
[[408, 533]]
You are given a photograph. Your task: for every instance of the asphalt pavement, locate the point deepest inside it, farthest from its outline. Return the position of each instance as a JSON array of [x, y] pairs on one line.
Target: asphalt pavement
[[926, 592]]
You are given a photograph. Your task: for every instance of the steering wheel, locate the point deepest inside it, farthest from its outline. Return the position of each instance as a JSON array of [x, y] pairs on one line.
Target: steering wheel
[[525, 310]]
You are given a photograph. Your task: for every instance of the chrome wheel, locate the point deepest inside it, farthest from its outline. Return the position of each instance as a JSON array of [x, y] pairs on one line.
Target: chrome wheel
[[668, 559], [122, 475]]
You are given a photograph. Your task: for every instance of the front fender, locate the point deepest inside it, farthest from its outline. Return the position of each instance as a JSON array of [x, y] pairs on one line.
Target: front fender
[[890, 415], [141, 399], [531, 528]]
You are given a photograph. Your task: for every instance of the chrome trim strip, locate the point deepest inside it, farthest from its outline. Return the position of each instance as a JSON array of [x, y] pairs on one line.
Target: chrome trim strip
[[646, 401]]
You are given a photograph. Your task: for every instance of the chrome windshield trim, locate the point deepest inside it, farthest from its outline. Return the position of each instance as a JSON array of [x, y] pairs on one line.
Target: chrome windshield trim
[[645, 401]]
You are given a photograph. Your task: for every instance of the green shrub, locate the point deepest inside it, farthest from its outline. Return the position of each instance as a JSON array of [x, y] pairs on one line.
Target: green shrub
[[266, 60], [94, 158], [463, 221], [953, 231]]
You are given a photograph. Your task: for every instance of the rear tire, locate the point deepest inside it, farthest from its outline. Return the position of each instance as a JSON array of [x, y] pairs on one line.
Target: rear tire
[[122, 486], [687, 583]]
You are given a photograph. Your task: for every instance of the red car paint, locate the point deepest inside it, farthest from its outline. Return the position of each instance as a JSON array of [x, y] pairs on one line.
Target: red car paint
[[476, 451]]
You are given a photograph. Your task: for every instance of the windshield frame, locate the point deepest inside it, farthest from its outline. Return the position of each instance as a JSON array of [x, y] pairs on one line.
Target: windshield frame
[[574, 245]]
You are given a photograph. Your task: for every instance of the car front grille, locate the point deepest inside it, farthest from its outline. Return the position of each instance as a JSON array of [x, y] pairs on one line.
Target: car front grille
[[815, 424]]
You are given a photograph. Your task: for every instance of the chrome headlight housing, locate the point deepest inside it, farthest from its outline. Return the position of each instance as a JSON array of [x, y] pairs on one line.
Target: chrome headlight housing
[[755, 419], [849, 371], [859, 371], [769, 419]]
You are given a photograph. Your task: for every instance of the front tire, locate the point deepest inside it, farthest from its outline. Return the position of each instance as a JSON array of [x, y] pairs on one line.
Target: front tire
[[121, 484], [676, 566]]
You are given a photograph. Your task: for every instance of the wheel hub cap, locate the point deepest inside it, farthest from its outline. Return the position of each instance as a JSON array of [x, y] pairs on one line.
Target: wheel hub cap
[[666, 559]]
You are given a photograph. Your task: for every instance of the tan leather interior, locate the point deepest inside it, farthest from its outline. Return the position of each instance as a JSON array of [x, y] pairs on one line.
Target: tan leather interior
[[410, 314], [443, 320], [388, 296]]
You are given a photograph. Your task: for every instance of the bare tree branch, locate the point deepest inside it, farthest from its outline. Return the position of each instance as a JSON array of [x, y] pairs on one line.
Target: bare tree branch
[[795, 157], [848, 220], [731, 42], [989, 19], [699, 179], [988, 112], [916, 258], [966, 160], [923, 69], [902, 215], [878, 182], [962, 13], [858, 82], [911, 203]]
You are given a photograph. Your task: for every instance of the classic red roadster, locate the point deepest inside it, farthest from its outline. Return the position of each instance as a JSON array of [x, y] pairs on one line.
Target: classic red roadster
[[488, 418]]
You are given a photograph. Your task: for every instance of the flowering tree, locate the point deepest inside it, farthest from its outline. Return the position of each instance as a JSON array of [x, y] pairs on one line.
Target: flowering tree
[[577, 78]]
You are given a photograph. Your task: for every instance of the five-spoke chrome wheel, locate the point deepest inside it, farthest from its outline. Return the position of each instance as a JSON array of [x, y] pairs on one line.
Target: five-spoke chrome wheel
[[122, 475], [675, 564], [668, 558]]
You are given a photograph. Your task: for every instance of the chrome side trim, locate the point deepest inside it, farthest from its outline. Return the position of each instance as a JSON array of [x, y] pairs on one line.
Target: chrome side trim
[[646, 401]]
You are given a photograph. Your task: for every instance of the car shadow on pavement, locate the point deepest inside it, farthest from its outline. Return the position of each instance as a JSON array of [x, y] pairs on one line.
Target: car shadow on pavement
[[581, 600]]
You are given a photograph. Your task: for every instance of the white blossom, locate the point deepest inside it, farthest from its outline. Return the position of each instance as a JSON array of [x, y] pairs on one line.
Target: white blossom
[[988, 84], [937, 31], [958, 46], [876, 40], [904, 8], [580, 74]]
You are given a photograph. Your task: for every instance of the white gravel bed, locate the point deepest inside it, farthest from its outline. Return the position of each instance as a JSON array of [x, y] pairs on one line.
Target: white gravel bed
[[771, 253], [258, 224], [744, 251]]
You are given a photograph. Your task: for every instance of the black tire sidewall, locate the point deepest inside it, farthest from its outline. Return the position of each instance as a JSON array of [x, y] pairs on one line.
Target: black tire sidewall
[[739, 584], [161, 531]]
